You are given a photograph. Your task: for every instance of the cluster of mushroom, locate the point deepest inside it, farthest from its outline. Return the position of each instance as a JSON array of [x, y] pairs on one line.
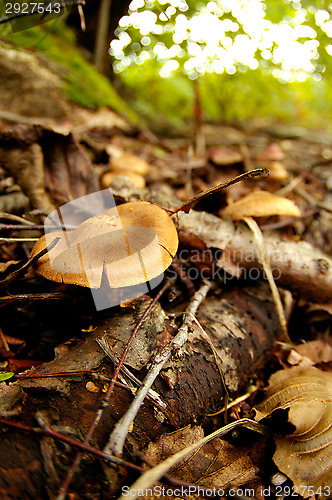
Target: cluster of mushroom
[[135, 242], [128, 165]]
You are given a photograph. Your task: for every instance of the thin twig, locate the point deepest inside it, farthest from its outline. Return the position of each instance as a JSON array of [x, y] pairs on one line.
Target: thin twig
[[69, 373], [290, 186], [312, 201], [5, 215], [188, 183], [150, 477], [48, 431], [81, 14], [104, 404], [23, 269], [17, 240], [267, 268], [233, 403], [185, 207], [102, 342], [20, 227], [119, 434], [9, 299], [4, 341]]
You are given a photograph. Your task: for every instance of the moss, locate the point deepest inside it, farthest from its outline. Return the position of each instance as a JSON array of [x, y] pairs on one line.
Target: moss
[[83, 84]]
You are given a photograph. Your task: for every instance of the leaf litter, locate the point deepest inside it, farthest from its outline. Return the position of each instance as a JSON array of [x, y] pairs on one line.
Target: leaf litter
[[304, 455], [238, 314]]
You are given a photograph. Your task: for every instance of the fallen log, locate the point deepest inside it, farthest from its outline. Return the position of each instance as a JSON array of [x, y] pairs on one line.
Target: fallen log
[[241, 325], [297, 266]]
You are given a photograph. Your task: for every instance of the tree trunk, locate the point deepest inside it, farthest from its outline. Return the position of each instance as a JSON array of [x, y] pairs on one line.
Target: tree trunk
[[101, 43]]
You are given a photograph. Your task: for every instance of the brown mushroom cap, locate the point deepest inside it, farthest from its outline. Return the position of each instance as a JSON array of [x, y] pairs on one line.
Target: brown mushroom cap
[[137, 179], [277, 171], [128, 161], [261, 204], [132, 244]]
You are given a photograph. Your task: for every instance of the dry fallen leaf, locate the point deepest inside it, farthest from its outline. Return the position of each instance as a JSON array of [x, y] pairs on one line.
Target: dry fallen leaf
[[305, 454], [51, 168], [217, 464], [312, 352], [261, 204]]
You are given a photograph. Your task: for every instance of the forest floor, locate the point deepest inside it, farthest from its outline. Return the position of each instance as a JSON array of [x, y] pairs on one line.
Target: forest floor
[[212, 331]]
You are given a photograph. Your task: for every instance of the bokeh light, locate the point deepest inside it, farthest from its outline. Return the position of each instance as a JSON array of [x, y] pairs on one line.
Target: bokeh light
[[210, 42]]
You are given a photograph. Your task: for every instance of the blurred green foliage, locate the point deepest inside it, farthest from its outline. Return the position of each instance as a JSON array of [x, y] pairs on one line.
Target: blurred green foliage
[[226, 97], [246, 93], [83, 84], [244, 96], [6, 376], [160, 101]]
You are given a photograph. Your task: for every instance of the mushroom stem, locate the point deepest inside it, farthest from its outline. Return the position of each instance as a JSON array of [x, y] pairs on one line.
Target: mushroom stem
[[185, 207]]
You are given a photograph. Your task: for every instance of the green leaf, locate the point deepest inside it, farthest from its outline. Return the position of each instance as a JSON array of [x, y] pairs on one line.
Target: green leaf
[[5, 376]]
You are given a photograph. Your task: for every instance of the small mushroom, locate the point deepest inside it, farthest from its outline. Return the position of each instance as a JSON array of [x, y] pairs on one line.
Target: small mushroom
[[137, 179], [225, 157], [272, 153], [261, 204], [128, 161], [277, 171], [132, 244]]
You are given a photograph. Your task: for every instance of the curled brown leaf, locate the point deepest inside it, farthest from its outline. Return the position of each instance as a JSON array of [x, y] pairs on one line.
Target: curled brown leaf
[[305, 454]]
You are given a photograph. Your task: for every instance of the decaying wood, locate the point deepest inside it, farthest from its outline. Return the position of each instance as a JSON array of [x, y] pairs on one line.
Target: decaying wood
[[298, 266], [119, 433], [190, 384], [240, 323]]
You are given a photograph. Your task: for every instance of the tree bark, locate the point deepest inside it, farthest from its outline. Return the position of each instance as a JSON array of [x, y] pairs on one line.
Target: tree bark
[[241, 326], [102, 35]]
